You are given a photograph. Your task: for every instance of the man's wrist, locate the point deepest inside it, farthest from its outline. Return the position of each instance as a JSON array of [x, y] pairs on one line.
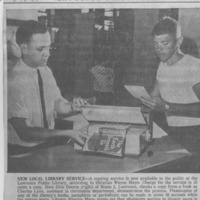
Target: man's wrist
[[169, 108]]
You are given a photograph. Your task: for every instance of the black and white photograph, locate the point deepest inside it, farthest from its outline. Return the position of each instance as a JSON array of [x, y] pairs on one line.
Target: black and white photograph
[[105, 88], [87, 68]]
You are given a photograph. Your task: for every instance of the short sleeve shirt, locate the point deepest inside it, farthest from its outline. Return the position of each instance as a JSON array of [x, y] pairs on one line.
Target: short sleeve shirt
[[24, 98], [175, 85]]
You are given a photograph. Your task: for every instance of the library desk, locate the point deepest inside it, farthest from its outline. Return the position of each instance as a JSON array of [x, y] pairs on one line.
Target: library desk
[[163, 155]]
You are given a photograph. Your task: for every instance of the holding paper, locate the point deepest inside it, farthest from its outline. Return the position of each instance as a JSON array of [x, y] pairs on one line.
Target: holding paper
[[152, 102], [137, 91]]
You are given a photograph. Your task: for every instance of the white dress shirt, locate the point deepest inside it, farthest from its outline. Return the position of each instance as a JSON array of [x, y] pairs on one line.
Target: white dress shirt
[[24, 98]]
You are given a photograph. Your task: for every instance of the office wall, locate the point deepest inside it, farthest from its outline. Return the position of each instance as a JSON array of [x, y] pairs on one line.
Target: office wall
[[22, 14], [190, 23], [84, 29]]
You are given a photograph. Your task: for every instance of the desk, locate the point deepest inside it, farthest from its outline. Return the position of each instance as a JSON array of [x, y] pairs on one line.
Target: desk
[[65, 159]]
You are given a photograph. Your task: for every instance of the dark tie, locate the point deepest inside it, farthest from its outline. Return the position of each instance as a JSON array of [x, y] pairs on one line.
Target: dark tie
[[42, 99]]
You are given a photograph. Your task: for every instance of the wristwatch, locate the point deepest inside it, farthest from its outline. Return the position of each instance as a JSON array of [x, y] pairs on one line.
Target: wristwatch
[[167, 107]]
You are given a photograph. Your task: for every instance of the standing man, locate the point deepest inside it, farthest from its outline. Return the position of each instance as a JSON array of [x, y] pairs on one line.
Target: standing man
[[177, 87], [33, 96]]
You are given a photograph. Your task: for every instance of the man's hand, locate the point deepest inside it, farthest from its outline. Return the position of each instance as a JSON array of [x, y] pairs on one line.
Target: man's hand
[[155, 103], [78, 137], [77, 103]]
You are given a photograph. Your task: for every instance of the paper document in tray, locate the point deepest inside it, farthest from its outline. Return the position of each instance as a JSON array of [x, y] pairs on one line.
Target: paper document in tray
[[129, 115], [137, 91]]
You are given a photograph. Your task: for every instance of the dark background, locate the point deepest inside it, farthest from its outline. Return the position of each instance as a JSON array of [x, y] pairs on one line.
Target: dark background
[[83, 38]]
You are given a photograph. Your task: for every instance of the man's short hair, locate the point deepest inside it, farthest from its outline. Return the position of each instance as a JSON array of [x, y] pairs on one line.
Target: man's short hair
[[167, 25], [27, 29]]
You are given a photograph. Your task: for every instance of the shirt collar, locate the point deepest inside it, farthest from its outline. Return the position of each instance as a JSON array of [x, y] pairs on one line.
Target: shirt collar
[[24, 67]]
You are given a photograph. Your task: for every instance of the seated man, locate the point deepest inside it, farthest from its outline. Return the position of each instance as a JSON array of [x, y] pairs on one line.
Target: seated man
[[33, 96], [177, 88]]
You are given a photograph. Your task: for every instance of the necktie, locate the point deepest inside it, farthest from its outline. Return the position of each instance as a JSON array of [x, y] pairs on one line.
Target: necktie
[[40, 82]]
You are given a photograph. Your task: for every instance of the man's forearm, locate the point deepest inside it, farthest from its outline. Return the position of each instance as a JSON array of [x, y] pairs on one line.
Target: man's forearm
[[36, 134], [187, 110], [155, 91]]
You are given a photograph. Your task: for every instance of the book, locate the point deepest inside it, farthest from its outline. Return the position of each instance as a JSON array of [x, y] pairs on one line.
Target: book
[[106, 139]]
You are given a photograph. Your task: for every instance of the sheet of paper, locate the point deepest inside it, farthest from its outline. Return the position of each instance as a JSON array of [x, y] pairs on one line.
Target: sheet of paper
[[158, 132], [137, 91]]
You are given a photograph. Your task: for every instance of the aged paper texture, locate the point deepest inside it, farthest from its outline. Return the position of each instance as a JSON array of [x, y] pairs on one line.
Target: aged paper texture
[[97, 48]]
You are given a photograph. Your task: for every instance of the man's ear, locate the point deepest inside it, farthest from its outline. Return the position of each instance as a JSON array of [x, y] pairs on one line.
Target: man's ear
[[23, 48], [179, 41]]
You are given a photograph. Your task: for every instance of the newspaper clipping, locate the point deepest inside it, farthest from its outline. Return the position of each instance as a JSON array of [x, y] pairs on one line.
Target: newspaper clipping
[[101, 100]]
